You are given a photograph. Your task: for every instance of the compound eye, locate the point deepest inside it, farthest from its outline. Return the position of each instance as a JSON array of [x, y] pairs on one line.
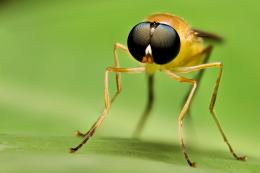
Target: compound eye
[[165, 44], [138, 40]]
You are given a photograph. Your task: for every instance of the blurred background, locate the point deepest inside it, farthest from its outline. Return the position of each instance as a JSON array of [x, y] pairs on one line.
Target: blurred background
[[52, 60]]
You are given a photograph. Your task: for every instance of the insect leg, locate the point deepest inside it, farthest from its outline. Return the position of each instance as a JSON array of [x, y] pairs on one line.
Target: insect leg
[[148, 107], [116, 61], [213, 99], [207, 51], [183, 111], [117, 46], [101, 118]]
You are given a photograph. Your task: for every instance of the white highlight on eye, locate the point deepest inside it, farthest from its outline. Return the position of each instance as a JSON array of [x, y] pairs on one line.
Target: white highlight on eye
[[148, 50]]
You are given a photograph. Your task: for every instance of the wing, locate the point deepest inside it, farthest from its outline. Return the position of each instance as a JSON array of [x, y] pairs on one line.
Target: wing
[[208, 36]]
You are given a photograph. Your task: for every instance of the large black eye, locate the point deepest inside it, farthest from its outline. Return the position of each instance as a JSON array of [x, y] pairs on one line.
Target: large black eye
[[163, 39], [165, 44], [138, 39]]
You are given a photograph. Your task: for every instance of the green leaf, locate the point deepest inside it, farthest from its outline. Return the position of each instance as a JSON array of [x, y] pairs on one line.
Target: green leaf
[[43, 154]]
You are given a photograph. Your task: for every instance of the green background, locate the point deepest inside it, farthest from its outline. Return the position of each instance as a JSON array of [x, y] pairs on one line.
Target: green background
[[52, 60]]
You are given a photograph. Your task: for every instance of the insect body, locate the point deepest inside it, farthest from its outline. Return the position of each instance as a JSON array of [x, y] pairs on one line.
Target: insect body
[[165, 43]]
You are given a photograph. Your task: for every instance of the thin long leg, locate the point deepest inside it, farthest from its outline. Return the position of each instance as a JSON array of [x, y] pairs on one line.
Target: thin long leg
[[213, 99], [117, 46], [148, 108], [183, 111], [101, 118], [207, 51]]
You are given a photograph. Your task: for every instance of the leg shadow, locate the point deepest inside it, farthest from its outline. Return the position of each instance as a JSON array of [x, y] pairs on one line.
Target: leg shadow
[[150, 150]]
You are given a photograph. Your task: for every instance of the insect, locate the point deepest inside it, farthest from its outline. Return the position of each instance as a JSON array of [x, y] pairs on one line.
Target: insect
[[165, 43]]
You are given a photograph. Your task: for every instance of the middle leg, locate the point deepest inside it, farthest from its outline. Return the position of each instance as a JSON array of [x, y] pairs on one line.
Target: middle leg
[[213, 99]]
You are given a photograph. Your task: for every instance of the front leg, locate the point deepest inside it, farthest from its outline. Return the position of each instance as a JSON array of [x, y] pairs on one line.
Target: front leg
[[117, 46], [101, 118]]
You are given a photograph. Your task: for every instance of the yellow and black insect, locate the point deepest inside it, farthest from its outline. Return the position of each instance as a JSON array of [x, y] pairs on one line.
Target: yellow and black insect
[[165, 43]]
